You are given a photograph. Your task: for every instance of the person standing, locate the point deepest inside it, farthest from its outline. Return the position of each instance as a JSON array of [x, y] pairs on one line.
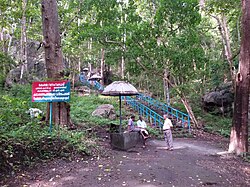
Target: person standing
[[167, 132]]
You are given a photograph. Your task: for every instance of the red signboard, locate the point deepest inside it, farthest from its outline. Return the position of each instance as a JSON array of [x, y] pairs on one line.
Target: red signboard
[[51, 91]]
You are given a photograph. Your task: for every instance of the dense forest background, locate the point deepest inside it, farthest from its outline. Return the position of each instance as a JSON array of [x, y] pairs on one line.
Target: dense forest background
[[197, 44], [176, 51]]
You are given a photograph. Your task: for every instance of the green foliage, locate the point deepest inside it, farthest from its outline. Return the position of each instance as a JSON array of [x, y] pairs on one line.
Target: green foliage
[[12, 111], [246, 157], [6, 64], [14, 107], [217, 124], [154, 132]]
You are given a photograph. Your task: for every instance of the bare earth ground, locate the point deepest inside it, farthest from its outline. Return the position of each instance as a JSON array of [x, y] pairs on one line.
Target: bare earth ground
[[194, 162]]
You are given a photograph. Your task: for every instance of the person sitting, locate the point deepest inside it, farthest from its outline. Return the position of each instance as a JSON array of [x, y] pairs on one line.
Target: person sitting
[[141, 125], [131, 124]]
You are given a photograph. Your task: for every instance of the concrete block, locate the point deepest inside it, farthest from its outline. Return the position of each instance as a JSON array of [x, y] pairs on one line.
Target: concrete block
[[125, 141]]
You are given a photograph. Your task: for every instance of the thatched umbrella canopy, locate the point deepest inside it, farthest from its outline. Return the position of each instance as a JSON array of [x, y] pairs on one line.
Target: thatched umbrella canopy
[[95, 77], [120, 88]]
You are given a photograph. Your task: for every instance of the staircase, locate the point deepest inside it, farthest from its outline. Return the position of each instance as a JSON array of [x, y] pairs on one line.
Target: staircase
[[152, 116], [178, 118], [153, 111], [92, 84]]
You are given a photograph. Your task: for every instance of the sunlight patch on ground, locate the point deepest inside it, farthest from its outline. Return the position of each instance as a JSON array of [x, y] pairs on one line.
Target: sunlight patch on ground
[[176, 147], [43, 184], [199, 147], [223, 153], [68, 178], [134, 183], [51, 182]]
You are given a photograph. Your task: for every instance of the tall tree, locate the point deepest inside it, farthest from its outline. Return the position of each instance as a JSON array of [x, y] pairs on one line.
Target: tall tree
[[53, 56], [239, 131]]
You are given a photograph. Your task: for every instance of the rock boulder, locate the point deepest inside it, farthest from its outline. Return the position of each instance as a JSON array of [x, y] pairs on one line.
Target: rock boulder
[[105, 111], [219, 101]]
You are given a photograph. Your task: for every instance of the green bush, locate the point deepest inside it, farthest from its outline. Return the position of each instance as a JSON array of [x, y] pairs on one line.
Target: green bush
[[6, 64], [217, 124]]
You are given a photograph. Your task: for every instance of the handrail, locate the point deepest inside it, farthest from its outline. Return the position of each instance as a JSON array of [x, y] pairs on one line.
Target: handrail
[[144, 110], [98, 86], [93, 83], [83, 80], [178, 115]]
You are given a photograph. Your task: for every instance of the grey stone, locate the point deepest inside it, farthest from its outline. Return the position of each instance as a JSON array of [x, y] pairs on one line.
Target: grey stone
[[105, 111]]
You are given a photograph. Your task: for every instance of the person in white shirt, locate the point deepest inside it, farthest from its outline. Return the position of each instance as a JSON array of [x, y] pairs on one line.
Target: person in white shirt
[[141, 125], [167, 132]]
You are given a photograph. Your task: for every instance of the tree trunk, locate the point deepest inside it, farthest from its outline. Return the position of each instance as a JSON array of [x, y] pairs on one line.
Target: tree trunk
[[53, 57], [239, 131], [124, 38], [228, 51], [122, 67], [225, 37], [90, 56], [202, 4], [23, 42], [248, 114], [102, 65], [190, 111], [185, 103], [166, 87]]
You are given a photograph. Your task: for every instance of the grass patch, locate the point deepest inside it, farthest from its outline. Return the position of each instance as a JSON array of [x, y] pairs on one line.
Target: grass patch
[[217, 124], [82, 108]]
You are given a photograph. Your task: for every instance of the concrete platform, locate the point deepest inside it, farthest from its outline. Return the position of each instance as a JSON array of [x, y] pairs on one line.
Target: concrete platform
[[125, 141]]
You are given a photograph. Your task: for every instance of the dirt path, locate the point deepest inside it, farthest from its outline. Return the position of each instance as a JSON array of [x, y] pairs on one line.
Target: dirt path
[[192, 163]]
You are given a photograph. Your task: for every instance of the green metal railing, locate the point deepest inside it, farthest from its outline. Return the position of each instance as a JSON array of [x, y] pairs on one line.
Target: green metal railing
[[180, 117]]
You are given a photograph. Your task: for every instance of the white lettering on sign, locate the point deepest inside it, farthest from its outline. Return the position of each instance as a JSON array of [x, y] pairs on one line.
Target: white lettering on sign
[[42, 85], [51, 98], [51, 91]]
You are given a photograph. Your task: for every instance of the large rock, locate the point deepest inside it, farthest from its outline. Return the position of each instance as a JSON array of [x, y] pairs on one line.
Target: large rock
[[35, 64], [219, 101], [105, 111], [36, 68]]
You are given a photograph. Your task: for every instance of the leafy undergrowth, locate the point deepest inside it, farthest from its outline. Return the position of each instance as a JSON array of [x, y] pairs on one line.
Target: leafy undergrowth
[[25, 141], [217, 124], [26, 145]]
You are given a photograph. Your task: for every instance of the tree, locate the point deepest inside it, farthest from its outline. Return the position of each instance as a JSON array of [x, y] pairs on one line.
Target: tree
[[239, 131], [226, 13], [53, 56], [171, 42]]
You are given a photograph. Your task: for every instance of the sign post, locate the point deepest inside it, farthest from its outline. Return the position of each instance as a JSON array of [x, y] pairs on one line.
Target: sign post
[[51, 91], [50, 117]]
